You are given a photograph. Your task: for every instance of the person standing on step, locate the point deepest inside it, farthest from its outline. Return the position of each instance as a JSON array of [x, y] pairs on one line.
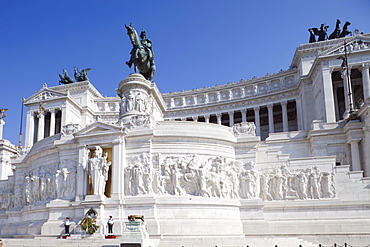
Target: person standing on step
[[67, 223], [110, 225]]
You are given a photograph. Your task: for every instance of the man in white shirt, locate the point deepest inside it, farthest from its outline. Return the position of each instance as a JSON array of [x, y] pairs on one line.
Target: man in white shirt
[[110, 225], [67, 223]]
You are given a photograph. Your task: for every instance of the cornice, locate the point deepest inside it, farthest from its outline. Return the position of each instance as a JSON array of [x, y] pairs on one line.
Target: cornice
[[232, 85], [77, 87]]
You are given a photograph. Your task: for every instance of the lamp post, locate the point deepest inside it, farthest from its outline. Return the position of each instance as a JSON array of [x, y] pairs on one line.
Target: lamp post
[[351, 113]]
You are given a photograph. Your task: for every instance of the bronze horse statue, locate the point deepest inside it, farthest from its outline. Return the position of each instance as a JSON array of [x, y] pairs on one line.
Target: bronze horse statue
[[336, 32], [141, 54], [345, 31]]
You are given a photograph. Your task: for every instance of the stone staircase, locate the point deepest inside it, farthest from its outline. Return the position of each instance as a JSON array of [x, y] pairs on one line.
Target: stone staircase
[[234, 242], [167, 241]]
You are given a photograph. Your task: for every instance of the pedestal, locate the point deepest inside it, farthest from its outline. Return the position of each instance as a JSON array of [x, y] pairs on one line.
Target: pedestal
[[135, 235]]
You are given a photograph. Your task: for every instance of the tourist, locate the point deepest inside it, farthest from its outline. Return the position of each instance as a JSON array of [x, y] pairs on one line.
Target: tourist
[[67, 223], [110, 225], [1, 243]]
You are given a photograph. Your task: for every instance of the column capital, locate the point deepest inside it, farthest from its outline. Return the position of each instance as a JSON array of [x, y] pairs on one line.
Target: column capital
[[283, 103], [364, 66], [269, 106], [219, 114], [344, 71], [195, 118], [256, 108], [52, 110], [40, 114], [355, 140], [243, 110], [231, 112]]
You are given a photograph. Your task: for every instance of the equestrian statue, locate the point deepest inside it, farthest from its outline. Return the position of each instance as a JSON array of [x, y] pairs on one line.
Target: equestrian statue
[[142, 55]]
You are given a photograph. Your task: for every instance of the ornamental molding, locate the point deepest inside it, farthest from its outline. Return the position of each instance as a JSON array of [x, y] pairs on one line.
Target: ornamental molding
[[44, 94], [233, 85]]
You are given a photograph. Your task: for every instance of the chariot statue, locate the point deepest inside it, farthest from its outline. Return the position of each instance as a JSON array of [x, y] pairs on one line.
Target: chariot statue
[[81, 75], [142, 55], [65, 78]]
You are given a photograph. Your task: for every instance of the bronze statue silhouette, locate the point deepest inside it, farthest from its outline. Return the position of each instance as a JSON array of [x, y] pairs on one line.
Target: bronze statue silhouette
[[322, 32], [345, 31], [81, 75], [65, 78], [142, 55], [336, 32]]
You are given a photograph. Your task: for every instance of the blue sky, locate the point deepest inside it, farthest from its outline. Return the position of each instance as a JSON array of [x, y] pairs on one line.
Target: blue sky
[[197, 43]]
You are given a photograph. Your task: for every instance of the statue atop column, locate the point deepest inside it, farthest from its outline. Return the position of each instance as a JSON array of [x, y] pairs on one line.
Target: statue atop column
[[142, 55]]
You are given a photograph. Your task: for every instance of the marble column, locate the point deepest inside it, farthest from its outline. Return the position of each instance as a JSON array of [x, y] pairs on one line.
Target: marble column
[[183, 101], [118, 164], [2, 123], [52, 122], [219, 115], [270, 109], [298, 106], [365, 79], [183, 119], [257, 120], [231, 118], [285, 116], [206, 118], [328, 97], [41, 126], [244, 115], [355, 153], [195, 100], [335, 91], [30, 128], [81, 179], [347, 98], [195, 118]]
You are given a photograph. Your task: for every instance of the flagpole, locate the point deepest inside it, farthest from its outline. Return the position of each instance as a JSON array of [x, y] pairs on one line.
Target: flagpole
[[20, 128]]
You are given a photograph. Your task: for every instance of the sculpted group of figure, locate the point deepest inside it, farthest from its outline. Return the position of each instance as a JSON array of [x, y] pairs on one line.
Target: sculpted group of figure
[[43, 184], [322, 33], [133, 101], [223, 178], [283, 184]]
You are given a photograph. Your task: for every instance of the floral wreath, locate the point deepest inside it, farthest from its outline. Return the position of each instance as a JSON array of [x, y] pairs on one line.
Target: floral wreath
[[88, 223]]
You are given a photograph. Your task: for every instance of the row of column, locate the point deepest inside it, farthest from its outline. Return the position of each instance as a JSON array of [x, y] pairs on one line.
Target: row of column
[[229, 93], [330, 98], [257, 117], [38, 119]]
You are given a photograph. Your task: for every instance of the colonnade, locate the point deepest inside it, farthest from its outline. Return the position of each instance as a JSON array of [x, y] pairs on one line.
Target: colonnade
[[41, 124], [230, 118], [349, 96]]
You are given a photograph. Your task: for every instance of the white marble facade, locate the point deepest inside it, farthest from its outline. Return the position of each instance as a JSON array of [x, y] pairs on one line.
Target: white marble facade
[[270, 155]]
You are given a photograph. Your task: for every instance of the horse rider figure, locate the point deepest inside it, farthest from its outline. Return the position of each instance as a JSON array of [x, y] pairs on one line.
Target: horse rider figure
[[147, 44]]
